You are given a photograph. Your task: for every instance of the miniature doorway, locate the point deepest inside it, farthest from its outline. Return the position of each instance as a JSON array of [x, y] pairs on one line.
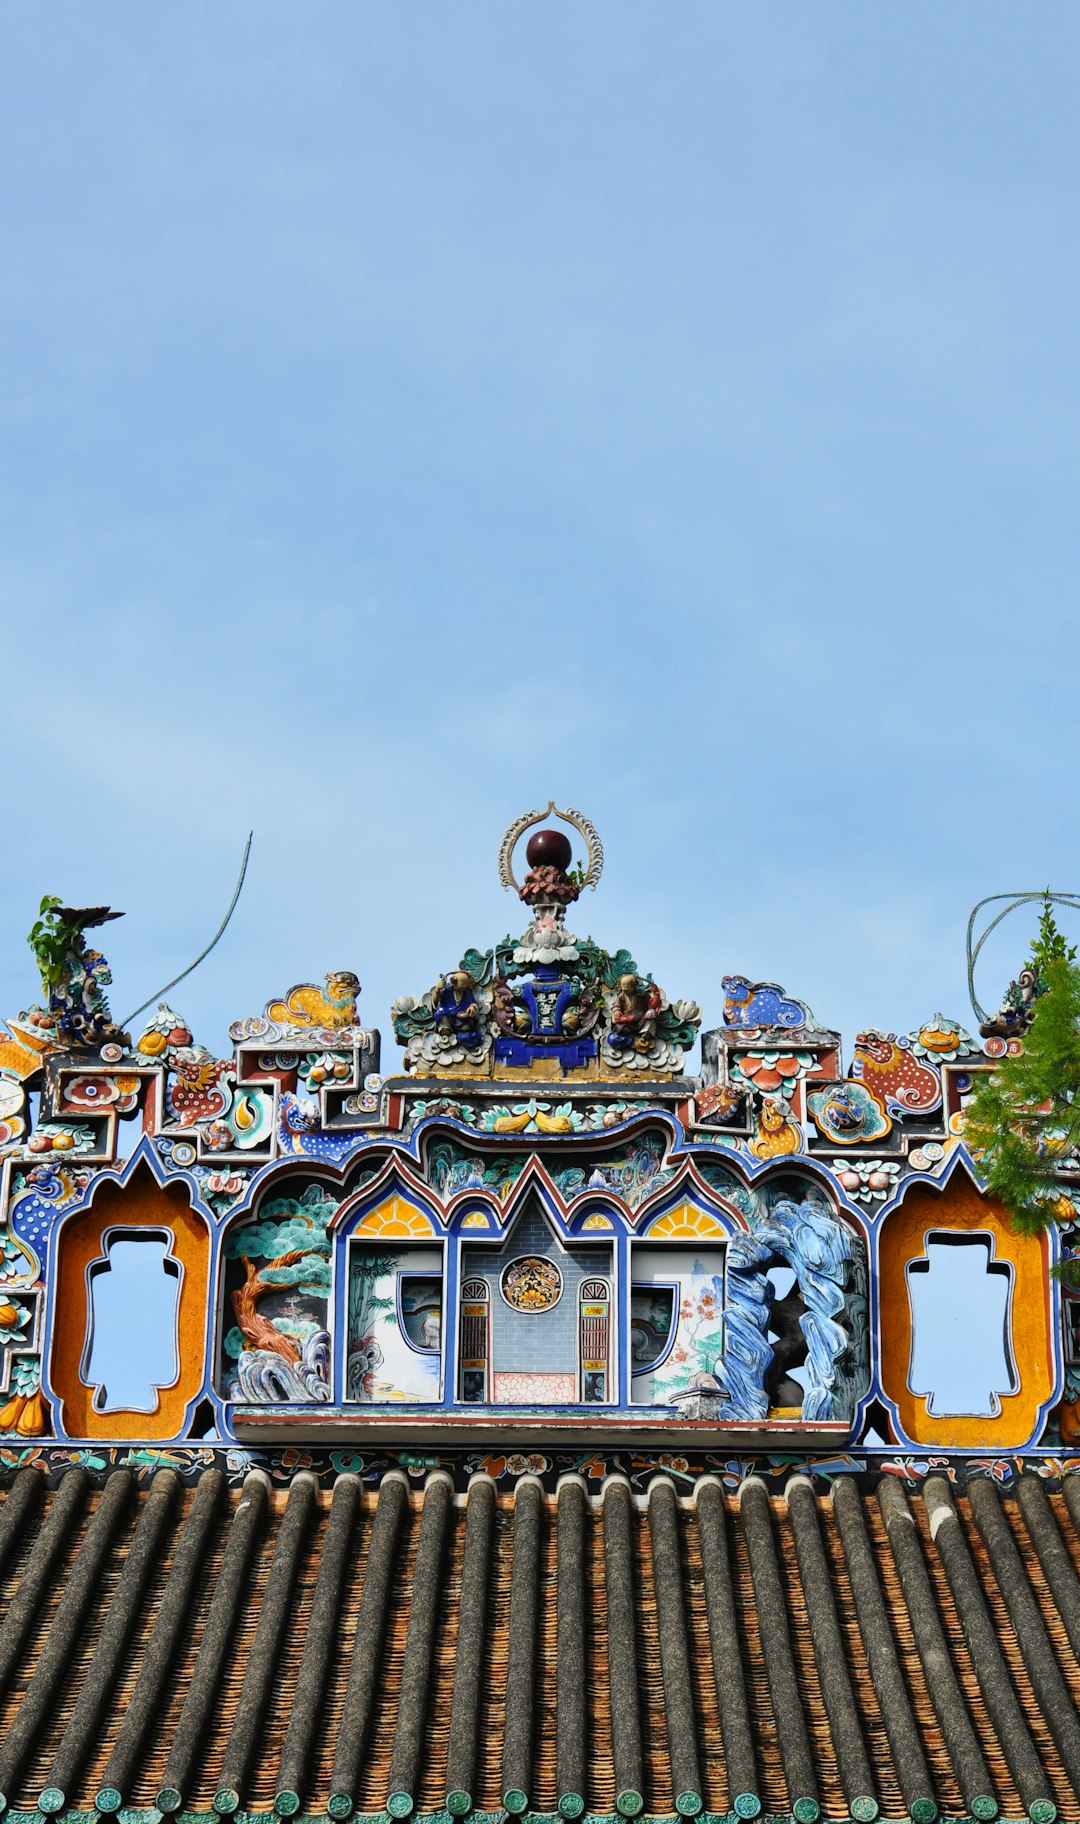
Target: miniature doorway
[[535, 1324]]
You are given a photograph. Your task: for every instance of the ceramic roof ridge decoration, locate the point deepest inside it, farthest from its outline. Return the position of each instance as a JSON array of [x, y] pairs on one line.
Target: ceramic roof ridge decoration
[[542, 1426], [548, 1003], [544, 1226]]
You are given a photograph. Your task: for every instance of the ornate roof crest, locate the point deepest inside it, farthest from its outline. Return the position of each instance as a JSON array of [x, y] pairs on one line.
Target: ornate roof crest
[[547, 1004]]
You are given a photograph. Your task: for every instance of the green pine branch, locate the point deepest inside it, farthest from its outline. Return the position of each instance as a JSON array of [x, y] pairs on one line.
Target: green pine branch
[[1023, 1121]]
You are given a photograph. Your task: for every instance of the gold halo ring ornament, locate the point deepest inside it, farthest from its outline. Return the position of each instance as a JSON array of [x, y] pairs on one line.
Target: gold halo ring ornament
[[585, 829]]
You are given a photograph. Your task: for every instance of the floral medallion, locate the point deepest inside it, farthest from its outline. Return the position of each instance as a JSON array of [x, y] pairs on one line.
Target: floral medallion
[[531, 1283]]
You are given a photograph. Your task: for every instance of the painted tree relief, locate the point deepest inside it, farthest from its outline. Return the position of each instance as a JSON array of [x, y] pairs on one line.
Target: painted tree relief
[[278, 1288], [395, 1324]]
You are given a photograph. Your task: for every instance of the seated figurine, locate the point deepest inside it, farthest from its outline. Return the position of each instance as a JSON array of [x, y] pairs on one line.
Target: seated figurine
[[635, 1009], [456, 1009]]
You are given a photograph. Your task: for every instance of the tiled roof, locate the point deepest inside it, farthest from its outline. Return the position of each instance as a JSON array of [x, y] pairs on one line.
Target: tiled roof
[[216, 1648]]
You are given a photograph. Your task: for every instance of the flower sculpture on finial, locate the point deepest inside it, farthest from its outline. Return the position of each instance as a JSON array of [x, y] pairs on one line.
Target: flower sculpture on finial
[[548, 854]]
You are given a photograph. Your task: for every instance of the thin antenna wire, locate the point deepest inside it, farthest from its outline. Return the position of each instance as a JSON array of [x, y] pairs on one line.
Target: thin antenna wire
[[203, 954]]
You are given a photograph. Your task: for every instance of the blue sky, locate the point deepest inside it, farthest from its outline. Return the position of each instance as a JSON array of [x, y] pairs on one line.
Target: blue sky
[[414, 412]]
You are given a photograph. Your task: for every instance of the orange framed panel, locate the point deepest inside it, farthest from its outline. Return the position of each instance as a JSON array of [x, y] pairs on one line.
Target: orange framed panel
[[962, 1209], [140, 1205]]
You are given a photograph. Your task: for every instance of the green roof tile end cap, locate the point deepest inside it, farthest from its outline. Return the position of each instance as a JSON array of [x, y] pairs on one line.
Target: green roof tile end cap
[[806, 1811], [984, 1806], [689, 1804], [110, 1798], [516, 1800], [571, 1805], [400, 1804], [747, 1805], [864, 1808], [629, 1804], [52, 1799], [226, 1801], [924, 1811], [339, 1804], [1042, 1811], [168, 1799], [459, 1803], [286, 1803]]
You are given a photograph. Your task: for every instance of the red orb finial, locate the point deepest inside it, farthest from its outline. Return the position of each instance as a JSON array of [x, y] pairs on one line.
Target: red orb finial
[[548, 849]]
